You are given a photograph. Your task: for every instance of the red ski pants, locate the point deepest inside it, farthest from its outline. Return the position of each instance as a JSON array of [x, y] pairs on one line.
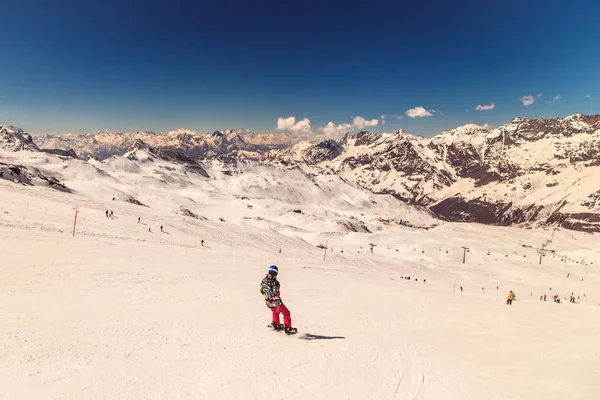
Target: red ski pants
[[287, 318]]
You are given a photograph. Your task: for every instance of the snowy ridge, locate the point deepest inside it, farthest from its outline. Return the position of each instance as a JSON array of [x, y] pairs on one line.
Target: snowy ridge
[[15, 139], [529, 170]]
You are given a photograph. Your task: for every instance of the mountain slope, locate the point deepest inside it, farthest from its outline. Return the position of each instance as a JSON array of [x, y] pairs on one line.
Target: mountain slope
[[528, 170], [15, 139]]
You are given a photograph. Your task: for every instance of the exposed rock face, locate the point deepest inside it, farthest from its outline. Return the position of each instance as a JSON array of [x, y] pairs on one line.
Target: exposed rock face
[[149, 153], [29, 176], [14, 139], [63, 153]]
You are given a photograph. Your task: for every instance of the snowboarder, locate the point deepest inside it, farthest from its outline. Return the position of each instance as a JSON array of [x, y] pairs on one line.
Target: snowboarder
[[269, 288], [510, 298]]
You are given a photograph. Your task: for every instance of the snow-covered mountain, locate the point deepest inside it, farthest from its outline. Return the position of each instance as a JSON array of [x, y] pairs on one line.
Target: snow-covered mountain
[[103, 144], [15, 139], [545, 170], [199, 145], [529, 170]]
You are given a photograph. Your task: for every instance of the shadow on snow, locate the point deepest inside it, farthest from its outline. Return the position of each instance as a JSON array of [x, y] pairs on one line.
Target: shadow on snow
[[310, 336]]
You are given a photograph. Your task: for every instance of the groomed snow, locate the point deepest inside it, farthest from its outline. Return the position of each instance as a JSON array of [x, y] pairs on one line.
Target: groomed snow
[[120, 312]]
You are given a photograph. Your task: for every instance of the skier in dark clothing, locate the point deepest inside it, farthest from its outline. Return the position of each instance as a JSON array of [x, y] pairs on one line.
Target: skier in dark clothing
[[269, 288]]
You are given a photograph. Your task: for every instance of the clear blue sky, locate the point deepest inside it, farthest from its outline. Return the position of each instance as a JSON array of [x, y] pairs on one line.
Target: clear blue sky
[[80, 66]]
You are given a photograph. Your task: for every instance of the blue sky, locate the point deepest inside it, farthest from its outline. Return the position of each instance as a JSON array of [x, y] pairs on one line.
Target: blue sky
[[80, 66]]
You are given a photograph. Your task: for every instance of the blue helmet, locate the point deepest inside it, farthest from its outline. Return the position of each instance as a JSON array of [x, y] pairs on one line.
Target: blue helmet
[[273, 270]]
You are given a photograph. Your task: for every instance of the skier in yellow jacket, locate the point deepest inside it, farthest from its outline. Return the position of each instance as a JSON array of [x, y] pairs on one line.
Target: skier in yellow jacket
[[510, 298]]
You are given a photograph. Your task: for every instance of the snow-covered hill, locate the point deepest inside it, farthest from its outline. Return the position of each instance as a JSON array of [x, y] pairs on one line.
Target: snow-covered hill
[[126, 310], [542, 171]]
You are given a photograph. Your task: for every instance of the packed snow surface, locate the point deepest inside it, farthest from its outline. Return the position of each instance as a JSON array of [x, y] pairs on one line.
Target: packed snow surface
[[125, 311]]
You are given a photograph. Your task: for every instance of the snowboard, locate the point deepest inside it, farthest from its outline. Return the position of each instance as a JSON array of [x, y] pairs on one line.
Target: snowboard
[[293, 331]]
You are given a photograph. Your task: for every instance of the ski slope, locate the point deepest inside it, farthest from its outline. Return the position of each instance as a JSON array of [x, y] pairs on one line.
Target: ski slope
[[122, 312]]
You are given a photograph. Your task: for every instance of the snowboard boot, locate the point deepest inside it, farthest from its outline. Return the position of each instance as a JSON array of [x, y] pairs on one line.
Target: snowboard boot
[[290, 331], [276, 327]]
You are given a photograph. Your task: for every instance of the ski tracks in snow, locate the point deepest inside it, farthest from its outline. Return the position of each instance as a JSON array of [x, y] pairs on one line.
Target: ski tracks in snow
[[411, 375]]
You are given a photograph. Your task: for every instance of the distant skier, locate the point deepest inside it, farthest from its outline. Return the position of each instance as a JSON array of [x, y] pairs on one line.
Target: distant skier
[[202, 242], [106, 213], [161, 228], [269, 288], [510, 298], [139, 219], [111, 213]]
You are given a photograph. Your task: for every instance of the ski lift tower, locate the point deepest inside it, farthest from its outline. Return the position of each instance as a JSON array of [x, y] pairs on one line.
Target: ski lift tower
[[465, 251]]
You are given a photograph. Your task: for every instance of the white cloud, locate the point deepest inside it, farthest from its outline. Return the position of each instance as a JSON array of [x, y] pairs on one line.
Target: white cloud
[[557, 97], [527, 100], [487, 126], [540, 95], [383, 122], [290, 124], [358, 123], [388, 116], [587, 96], [418, 112], [332, 128], [490, 106]]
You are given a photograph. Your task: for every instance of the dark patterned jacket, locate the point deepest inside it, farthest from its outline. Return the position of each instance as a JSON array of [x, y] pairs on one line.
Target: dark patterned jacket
[[269, 288]]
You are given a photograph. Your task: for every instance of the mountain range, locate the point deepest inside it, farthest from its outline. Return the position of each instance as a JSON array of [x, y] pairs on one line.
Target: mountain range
[[529, 171]]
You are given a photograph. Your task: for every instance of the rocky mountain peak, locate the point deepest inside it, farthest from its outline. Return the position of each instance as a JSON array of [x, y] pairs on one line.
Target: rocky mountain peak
[[15, 139], [139, 144]]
